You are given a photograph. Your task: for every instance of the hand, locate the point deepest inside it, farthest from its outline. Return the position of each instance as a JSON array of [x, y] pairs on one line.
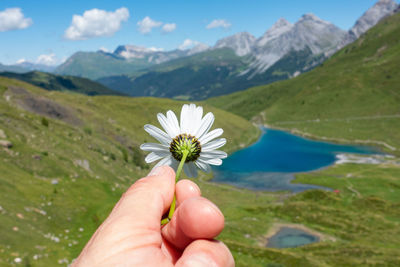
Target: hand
[[132, 235]]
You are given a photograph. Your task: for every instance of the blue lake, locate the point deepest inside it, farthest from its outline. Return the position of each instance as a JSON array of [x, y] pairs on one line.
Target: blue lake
[[269, 164], [290, 238]]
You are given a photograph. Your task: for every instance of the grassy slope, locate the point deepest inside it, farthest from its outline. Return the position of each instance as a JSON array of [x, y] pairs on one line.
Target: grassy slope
[[53, 82], [346, 97], [44, 219]]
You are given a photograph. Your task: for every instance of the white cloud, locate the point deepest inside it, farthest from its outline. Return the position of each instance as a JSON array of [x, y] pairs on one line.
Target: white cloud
[[22, 60], [219, 23], [104, 49], [47, 59], [188, 43], [169, 27], [147, 24], [96, 23], [13, 19]]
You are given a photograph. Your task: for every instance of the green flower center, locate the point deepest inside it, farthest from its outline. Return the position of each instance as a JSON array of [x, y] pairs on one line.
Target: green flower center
[[185, 142]]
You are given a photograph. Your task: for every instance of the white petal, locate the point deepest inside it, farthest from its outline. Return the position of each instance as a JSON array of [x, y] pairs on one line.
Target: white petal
[[192, 124], [154, 156], [190, 170], [210, 136], [205, 125], [166, 125], [165, 161], [173, 122], [158, 134], [199, 113], [214, 154], [185, 119], [154, 147], [213, 145], [203, 166], [213, 161]]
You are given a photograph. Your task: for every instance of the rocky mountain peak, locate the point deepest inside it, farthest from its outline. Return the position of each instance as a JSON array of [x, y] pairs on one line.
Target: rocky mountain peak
[[372, 16], [241, 43], [280, 27]]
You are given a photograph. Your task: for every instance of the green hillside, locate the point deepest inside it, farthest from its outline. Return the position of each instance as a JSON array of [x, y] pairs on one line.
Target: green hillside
[[352, 96], [53, 82]]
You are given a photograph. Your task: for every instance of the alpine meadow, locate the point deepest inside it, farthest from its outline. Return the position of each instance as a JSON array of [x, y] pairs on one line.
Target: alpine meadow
[[71, 130]]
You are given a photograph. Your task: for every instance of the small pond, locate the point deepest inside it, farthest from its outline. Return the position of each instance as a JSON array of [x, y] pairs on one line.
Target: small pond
[[270, 163], [288, 237]]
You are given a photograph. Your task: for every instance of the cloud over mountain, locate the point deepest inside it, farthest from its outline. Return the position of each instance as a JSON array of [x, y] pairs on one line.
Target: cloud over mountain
[[96, 23], [147, 24], [13, 19], [168, 27], [219, 23]]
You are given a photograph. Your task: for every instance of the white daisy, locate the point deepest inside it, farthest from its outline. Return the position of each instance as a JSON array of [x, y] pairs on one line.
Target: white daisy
[[191, 134]]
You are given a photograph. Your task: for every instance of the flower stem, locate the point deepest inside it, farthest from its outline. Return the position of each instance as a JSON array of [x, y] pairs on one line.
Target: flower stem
[[178, 174]]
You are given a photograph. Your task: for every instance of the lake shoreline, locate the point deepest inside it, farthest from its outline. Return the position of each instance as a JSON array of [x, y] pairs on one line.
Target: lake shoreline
[[276, 227], [295, 131]]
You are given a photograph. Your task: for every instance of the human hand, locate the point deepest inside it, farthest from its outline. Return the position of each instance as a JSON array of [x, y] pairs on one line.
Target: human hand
[[132, 235]]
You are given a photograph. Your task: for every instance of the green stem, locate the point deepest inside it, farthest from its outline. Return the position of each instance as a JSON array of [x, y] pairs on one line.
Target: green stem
[[178, 174]]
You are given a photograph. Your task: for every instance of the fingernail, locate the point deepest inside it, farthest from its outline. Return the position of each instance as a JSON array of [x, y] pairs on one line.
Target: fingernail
[[200, 260], [156, 171]]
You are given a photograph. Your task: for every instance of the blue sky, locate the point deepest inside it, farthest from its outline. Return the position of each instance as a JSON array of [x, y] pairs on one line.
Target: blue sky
[[36, 30]]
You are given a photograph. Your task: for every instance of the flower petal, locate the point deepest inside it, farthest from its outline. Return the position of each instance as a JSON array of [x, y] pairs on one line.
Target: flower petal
[[210, 136], [158, 134], [153, 157], [213, 161], [190, 170], [185, 119], [203, 166], [166, 125], [205, 125], [154, 147], [173, 122], [217, 143], [214, 154]]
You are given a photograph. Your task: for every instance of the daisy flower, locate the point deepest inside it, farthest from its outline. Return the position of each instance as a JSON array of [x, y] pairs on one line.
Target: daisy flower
[[190, 139]]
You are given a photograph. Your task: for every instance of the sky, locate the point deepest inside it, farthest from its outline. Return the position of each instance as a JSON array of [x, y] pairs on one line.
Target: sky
[[49, 31]]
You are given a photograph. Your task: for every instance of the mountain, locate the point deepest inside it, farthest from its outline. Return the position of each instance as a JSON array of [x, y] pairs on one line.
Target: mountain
[[372, 16], [319, 36], [126, 59], [235, 62], [241, 43], [212, 72], [98, 64], [53, 82], [33, 66], [354, 95], [13, 68]]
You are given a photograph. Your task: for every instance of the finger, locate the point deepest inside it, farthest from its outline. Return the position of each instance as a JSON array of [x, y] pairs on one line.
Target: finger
[[186, 189], [195, 218], [206, 253], [135, 220], [147, 199]]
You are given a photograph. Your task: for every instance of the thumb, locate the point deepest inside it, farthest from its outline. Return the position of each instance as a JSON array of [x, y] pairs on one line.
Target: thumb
[[144, 203], [137, 213]]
